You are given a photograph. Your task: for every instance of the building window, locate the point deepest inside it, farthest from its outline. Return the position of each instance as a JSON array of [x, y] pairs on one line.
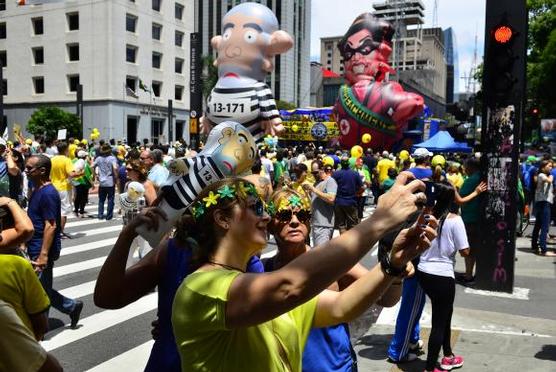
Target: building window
[[3, 58], [329, 54], [130, 23], [5, 87], [38, 55], [38, 84], [130, 53], [179, 11], [38, 28], [178, 95], [179, 66], [157, 31], [73, 21], [157, 88], [328, 62], [3, 30], [157, 60], [131, 83], [157, 128], [179, 38], [73, 83], [2, 5], [156, 5], [73, 52]]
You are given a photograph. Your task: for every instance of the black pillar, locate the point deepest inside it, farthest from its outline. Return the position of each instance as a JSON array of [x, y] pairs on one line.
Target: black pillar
[[195, 91], [503, 102], [3, 123], [170, 122], [79, 108]]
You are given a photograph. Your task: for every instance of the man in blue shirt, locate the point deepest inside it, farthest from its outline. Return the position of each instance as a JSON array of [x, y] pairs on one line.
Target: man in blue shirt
[[350, 186], [44, 247], [422, 168]]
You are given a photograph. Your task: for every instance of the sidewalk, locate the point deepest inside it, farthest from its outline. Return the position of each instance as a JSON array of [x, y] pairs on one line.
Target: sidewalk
[[492, 333]]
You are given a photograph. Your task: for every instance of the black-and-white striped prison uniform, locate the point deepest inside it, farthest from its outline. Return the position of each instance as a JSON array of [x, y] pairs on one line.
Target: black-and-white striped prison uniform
[[202, 172], [245, 105]]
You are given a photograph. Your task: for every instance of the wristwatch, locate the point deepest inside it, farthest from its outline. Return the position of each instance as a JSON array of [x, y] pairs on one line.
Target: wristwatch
[[388, 268]]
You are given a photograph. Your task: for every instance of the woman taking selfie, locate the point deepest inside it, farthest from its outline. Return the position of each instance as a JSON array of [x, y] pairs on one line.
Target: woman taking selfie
[[225, 319]]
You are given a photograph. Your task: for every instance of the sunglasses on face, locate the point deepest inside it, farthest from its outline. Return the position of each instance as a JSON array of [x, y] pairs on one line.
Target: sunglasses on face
[[365, 49], [258, 208], [286, 215]]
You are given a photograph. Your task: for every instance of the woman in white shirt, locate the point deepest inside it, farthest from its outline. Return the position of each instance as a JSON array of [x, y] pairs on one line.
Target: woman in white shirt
[[436, 277], [544, 198]]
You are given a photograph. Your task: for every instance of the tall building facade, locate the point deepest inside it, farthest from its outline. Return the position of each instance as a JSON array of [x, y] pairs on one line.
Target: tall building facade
[[330, 56], [452, 63], [290, 80], [129, 56]]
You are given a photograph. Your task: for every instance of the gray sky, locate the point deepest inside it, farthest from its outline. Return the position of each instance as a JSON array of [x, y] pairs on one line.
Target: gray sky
[[333, 17]]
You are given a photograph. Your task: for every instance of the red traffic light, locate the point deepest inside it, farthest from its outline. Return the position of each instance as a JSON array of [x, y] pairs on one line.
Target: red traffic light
[[503, 34], [535, 111]]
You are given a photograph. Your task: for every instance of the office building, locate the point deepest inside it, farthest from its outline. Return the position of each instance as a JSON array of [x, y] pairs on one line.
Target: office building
[[129, 56], [290, 80], [330, 56], [452, 63]]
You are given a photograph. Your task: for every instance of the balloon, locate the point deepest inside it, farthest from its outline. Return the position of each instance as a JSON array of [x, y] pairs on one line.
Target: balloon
[[368, 103], [438, 160], [328, 161], [229, 151], [366, 138], [295, 128], [84, 141], [404, 155], [356, 151], [245, 58]]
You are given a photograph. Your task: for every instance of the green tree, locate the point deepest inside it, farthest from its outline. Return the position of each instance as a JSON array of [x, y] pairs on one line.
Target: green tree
[[48, 120], [209, 76], [284, 105], [541, 59]]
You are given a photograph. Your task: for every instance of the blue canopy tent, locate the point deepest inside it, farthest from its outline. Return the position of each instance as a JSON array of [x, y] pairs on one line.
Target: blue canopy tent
[[443, 142]]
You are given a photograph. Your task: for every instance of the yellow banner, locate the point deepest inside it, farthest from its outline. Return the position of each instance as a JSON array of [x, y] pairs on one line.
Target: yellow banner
[[305, 131]]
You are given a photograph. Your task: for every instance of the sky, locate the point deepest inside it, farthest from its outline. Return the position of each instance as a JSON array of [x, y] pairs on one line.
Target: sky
[[467, 18]]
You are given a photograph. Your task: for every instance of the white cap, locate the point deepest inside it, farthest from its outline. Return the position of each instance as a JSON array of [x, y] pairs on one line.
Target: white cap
[[385, 154], [82, 154], [422, 152]]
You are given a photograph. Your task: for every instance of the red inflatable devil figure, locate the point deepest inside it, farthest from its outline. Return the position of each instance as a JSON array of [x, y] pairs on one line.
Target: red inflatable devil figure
[[369, 103]]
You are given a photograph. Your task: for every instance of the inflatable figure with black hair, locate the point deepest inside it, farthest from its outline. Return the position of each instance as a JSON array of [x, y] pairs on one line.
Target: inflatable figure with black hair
[[250, 39], [230, 151], [369, 103]]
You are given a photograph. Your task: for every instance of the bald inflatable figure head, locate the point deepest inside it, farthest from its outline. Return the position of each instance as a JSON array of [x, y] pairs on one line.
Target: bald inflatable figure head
[[250, 39]]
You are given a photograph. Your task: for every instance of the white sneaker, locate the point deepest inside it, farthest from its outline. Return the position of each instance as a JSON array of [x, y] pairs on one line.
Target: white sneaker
[[416, 346]]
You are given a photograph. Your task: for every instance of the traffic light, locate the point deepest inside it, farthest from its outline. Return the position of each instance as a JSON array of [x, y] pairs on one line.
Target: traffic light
[[505, 38]]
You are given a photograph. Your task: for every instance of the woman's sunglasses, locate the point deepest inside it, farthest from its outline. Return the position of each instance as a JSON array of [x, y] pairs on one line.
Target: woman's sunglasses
[[258, 208], [286, 215]]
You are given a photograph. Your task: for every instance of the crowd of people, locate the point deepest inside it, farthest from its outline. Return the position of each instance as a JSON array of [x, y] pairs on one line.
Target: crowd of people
[[220, 306]]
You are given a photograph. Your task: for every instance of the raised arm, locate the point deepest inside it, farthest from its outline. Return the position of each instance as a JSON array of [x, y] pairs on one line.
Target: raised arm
[[478, 190], [254, 299], [23, 227], [117, 286]]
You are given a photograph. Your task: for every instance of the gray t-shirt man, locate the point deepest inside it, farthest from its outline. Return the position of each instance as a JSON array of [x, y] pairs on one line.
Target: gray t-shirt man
[[322, 220]]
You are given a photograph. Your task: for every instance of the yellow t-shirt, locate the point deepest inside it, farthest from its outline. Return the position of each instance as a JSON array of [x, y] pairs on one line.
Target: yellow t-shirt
[[20, 287], [382, 168], [455, 179], [59, 174], [204, 342], [20, 351], [309, 178], [71, 151]]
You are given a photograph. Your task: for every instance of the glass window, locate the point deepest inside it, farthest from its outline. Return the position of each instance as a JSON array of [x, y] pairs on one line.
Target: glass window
[[5, 87], [179, 11], [2, 5], [3, 30], [179, 38], [157, 128], [157, 88], [73, 82], [3, 58], [178, 95], [38, 84], [156, 31], [157, 60], [131, 83], [130, 23], [38, 55], [73, 21], [73, 52], [38, 28], [131, 53], [179, 66], [156, 5]]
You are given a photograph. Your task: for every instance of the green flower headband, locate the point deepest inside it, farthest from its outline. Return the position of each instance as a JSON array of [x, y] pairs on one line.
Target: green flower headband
[[225, 192], [293, 201]]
